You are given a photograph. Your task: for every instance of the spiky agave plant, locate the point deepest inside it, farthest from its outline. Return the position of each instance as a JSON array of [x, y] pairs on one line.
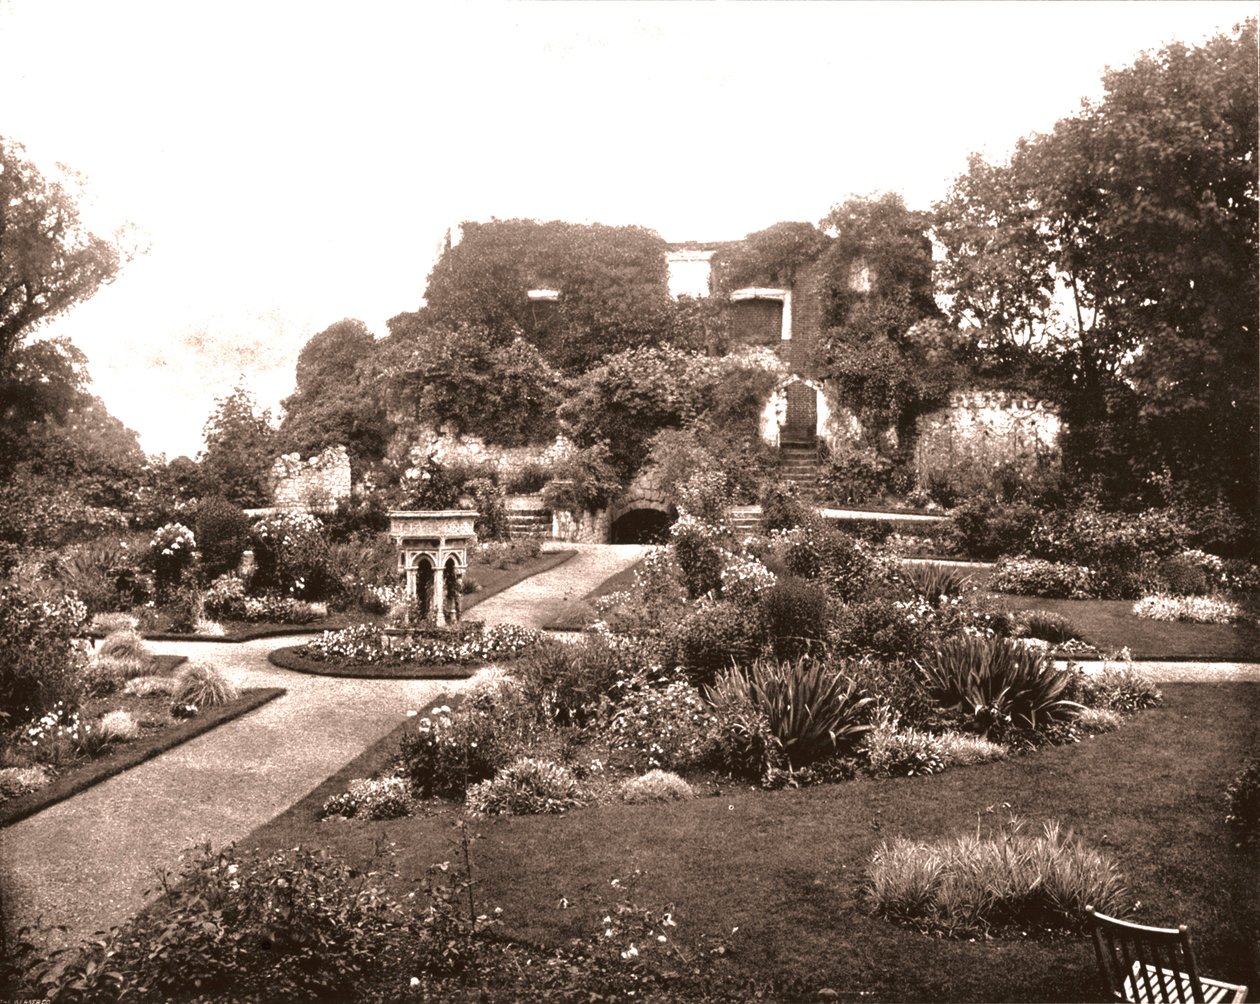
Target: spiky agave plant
[[993, 680], [812, 707]]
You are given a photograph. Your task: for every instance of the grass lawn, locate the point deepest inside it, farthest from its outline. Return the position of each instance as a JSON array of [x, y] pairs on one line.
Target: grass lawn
[[786, 868], [580, 614], [1109, 625]]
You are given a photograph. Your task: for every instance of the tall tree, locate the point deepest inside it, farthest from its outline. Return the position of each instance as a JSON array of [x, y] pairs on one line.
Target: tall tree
[[339, 397], [241, 446], [1146, 205], [49, 261]]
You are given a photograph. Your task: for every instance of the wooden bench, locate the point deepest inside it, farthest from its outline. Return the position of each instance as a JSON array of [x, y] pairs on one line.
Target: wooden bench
[[1153, 965]]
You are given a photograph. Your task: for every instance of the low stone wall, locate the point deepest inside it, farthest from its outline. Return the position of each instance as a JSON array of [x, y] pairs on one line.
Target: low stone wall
[[312, 485], [986, 428], [581, 527], [448, 449]]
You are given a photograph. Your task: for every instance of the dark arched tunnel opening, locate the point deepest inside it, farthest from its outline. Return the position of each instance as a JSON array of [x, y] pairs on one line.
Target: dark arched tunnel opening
[[642, 526]]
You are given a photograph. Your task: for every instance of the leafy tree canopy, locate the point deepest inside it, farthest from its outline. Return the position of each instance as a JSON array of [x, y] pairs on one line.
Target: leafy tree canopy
[[1143, 208], [466, 379], [339, 399], [241, 446], [49, 261], [612, 283], [771, 257]]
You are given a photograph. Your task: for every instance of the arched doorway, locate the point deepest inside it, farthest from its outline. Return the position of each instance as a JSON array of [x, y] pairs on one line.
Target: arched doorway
[[641, 526]]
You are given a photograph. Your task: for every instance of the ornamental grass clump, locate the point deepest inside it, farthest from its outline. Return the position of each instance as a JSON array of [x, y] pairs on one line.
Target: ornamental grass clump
[[125, 644], [1009, 881], [117, 727], [527, 786], [149, 686], [811, 708], [895, 750], [1044, 624], [204, 686], [995, 682], [933, 581]]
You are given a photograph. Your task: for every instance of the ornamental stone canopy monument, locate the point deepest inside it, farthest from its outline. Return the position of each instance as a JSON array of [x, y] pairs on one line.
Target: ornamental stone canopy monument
[[433, 555]]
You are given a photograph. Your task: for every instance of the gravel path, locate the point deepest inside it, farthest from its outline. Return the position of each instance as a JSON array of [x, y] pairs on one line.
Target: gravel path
[[86, 862], [1186, 672], [536, 601]]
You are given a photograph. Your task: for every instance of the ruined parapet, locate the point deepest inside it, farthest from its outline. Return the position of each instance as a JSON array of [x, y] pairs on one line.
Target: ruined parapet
[[986, 428], [314, 485]]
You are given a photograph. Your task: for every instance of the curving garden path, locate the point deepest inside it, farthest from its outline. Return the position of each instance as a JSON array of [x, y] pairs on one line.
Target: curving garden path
[[86, 862]]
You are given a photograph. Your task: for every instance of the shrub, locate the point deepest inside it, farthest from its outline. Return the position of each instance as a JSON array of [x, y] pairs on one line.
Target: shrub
[[172, 552], [711, 638], [18, 781], [568, 681], [1119, 688], [225, 599], [222, 531], [894, 750], [986, 528], [357, 517], [507, 553], [740, 739], [782, 508], [817, 550], [292, 925], [880, 628], [293, 557], [970, 883], [123, 645], [894, 684], [492, 517], [40, 665], [698, 547], [794, 612], [148, 686], [183, 610], [655, 786], [276, 610], [104, 575], [993, 682], [933, 581], [1195, 609], [1036, 577], [201, 684], [1044, 624], [527, 479], [1242, 800], [118, 726], [371, 798], [104, 674], [449, 750], [811, 707], [659, 721], [1185, 574], [527, 787]]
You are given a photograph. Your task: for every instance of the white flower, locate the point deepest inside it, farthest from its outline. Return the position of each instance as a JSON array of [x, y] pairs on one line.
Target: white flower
[[415, 981]]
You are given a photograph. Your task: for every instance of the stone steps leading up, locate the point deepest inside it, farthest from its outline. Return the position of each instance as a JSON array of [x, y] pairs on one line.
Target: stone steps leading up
[[529, 522]]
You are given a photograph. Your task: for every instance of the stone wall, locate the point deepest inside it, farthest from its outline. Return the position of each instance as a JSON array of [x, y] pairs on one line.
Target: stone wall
[[313, 485], [986, 428], [447, 449]]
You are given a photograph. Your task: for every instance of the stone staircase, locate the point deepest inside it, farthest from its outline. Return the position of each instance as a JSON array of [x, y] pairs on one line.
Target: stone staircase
[[745, 519], [798, 464], [529, 522]]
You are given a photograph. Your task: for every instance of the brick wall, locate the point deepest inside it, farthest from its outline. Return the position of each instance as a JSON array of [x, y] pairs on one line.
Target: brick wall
[[802, 351]]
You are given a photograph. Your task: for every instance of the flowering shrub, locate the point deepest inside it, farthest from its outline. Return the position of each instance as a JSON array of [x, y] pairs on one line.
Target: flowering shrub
[[276, 610], [367, 644], [371, 798], [655, 786], [740, 739], [699, 548], [1037, 577], [506, 553], [1118, 687], [712, 637], [54, 737], [40, 661], [172, 551], [293, 556], [527, 787], [570, 681], [844, 564], [1044, 624], [743, 579], [225, 598], [1196, 609], [660, 720], [882, 627]]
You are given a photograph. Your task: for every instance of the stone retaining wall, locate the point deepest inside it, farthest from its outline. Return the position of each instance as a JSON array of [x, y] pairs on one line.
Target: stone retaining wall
[[314, 485], [985, 428]]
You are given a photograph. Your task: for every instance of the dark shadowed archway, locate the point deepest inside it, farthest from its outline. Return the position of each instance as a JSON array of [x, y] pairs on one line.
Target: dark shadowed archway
[[641, 526]]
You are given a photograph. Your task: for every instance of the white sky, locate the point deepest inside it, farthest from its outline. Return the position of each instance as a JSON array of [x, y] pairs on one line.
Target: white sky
[[295, 163]]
